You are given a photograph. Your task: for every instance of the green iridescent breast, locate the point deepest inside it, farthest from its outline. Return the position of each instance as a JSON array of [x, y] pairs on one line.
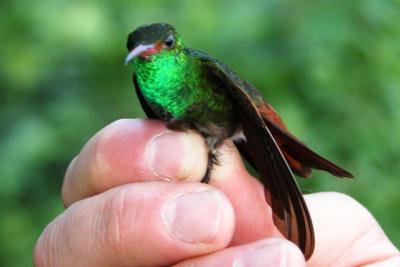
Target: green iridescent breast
[[172, 82]]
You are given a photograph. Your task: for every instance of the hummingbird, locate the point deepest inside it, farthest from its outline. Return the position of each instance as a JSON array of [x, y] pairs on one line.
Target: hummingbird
[[191, 90]]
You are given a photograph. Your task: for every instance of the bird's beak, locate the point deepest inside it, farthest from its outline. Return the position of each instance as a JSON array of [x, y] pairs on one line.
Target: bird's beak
[[137, 51]]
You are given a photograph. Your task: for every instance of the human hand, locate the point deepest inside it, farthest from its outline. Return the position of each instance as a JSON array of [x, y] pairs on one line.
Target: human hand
[[123, 210]]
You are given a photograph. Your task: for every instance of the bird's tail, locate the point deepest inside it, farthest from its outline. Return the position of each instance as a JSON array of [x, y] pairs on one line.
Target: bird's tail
[[300, 158]]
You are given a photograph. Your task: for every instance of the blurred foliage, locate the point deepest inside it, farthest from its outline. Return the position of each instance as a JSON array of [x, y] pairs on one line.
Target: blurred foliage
[[331, 68]]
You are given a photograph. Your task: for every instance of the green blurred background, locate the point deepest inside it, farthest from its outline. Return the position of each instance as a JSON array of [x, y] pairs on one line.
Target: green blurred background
[[331, 69]]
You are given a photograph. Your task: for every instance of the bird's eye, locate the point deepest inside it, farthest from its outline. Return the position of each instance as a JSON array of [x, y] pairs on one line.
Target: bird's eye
[[169, 42]]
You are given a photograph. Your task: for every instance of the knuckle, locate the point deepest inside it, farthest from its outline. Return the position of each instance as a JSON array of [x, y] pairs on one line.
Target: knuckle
[[44, 251], [98, 165], [38, 254], [67, 185], [122, 226], [101, 165]]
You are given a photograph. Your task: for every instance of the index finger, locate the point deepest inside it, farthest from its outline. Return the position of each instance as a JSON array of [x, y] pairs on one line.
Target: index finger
[[133, 150]]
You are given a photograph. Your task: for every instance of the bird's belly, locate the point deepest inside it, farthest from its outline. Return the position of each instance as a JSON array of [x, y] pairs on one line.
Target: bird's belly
[[218, 121]]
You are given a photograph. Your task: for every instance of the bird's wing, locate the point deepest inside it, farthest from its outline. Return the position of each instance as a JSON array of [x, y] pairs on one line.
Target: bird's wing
[[299, 156], [290, 213], [146, 108]]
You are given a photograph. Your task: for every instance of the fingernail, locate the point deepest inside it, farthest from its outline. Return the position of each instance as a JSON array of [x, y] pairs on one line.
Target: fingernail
[[194, 216], [170, 155], [272, 254]]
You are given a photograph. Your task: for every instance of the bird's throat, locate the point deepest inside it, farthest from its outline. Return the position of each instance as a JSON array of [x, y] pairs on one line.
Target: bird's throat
[[162, 78]]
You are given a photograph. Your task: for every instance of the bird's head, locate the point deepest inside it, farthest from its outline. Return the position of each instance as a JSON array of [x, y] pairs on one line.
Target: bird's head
[[150, 41]]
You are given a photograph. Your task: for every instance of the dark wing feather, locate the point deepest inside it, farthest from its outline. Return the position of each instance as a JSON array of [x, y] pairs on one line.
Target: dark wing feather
[[242, 147], [146, 108], [291, 215]]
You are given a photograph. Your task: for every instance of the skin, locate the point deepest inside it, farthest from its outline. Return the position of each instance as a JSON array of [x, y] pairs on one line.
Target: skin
[[123, 210]]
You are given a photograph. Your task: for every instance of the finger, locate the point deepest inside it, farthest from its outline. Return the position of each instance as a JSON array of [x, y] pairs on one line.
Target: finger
[[267, 252], [115, 156], [346, 233], [131, 151], [140, 224], [253, 214]]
